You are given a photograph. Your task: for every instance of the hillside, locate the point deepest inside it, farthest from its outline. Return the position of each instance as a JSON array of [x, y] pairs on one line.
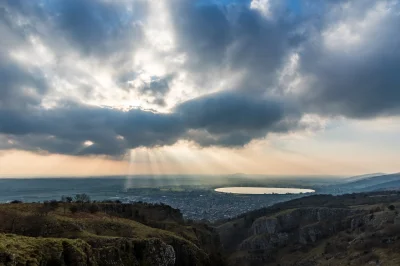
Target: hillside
[[38, 234], [360, 177], [365, 184], [353, 229]]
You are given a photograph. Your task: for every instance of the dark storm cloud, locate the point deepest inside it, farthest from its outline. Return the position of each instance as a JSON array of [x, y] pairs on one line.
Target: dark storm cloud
[[101, 27], [20, 85], [234, 119], [358, 80], [218, 37], [224, 119], [203, 31], [66, 129], [230, 111]]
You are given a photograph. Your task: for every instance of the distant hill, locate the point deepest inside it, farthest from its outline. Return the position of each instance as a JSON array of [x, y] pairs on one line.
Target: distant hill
[[392, 185], [370, 182], [364, 183], [360, 177]]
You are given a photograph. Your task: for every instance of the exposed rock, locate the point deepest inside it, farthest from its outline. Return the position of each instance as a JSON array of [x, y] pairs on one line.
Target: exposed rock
[[302, 226], [158, 253], [397, 219], [265, 225], [97, 252], [294, 219], [265, 241]]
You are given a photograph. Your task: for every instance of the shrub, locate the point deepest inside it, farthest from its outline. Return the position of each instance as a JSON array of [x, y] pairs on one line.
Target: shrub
[[391, 207], [73, 209], [368, 258], [392, 230], [53, 204], [93, 208], [47, 207], [16, 201]]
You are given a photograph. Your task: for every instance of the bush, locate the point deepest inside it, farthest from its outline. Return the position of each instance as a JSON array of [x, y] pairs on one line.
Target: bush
[[392, 230], [93, 208], [391, 207], [47, 207], [53, 204], [73, 209], [368, 258], [16, 201]]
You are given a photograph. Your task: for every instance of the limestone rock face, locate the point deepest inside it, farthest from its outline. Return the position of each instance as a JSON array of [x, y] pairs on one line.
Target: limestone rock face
[[302, 226], [265, 225], [265, 241], [397, 219], [158, 253], [98, 252]]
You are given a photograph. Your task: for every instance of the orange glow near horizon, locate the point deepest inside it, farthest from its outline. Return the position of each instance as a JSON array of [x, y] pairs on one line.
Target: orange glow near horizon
[[182, 158]]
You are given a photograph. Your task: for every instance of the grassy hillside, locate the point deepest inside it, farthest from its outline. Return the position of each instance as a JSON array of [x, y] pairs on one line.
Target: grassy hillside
[[353, 229], [31, 235]]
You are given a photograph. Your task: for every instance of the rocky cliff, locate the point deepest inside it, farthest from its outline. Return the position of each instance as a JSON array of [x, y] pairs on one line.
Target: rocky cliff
[[354, 229], [19, 250], [302, 226]]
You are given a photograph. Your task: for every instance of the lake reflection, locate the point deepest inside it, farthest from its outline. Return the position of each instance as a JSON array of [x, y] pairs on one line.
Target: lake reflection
[[263, 190]]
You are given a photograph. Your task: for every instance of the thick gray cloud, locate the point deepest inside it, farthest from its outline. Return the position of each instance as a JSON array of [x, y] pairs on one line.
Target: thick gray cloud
[[225, 119], [234, 119], [233, 38], [101, 27], [20, 85], [354, 64], [347, 60]]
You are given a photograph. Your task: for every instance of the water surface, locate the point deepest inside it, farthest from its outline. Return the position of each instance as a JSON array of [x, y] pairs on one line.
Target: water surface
[[263, 190]]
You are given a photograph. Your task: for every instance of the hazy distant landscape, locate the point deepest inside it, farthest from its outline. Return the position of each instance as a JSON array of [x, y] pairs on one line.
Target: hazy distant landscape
[[193, 195]]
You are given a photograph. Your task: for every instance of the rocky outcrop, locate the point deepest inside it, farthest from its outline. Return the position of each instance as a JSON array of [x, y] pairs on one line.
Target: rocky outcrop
[[265, 241], [293, 219], [266, 225], [156, 252], [19, 250], [376, 220], [301, 226], [397, 219]]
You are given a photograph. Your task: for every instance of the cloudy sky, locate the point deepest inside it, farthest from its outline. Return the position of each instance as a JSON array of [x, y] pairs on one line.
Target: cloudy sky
[[99, 87]]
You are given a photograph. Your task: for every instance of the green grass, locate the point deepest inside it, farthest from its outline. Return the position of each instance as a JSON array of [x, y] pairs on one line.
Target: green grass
[[34, 251], [57, 229], [283, 212]]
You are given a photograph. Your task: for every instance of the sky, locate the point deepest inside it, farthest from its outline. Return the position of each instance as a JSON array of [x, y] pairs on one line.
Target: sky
[[125, 87]]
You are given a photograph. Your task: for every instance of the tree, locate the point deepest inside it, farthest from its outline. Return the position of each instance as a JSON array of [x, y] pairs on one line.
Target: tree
[[65, 200], [82, 198]]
